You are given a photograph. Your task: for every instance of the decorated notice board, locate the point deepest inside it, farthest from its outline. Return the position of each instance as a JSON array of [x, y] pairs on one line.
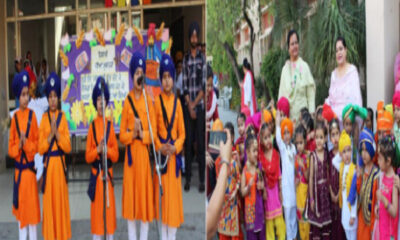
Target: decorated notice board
[[89, 55]]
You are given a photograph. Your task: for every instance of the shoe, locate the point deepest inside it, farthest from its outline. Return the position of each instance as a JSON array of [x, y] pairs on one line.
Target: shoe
[[201, 187], [187, 186]]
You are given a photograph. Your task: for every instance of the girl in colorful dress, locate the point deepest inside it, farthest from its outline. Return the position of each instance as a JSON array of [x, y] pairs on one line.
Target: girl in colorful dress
[[229, 225], [387, 195], [22, 147], [318, 206], [337, 232], [284, 133], [252, 189], [384, 125], [54, 143], [301, 179], [270, 162], [96, 139], [347, 186], [239, 144], [367, 183]]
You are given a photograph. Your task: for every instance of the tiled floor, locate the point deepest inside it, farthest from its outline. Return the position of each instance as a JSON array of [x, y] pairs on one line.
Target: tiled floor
[[193, 201]]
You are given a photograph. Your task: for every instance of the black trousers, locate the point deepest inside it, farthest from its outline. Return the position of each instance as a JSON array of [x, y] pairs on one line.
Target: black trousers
[[195, 133]]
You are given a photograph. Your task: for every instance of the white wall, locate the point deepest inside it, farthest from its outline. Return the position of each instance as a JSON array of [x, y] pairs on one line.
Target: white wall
[[382, 40], [3, 90]]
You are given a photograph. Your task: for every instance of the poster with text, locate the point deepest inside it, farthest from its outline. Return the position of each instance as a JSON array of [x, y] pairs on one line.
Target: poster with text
[[89, 55]]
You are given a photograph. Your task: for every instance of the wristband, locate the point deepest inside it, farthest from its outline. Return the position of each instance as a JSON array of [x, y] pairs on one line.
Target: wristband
[[223, 161]]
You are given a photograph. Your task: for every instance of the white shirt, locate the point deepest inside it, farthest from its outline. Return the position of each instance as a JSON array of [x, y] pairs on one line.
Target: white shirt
[[288, 153], [210, 112], [247, 88], [346, 212], [178, 84]]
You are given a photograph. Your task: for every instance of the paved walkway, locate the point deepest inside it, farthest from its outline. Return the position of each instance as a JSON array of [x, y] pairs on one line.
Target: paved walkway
[[194, 208]]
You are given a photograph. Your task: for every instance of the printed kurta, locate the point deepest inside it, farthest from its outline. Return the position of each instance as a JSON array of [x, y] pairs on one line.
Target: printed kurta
[[229, 221], [337, 232], [366, 188]]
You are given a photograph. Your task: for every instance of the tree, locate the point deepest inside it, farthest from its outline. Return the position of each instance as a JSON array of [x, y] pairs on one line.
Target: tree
[[318, 29], [222, 17], [288, 14], [271, 69], [251, 14], [220, 37], [332, 19]]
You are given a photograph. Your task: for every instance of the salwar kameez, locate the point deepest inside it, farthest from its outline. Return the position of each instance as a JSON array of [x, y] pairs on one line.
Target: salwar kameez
[[319, 217]]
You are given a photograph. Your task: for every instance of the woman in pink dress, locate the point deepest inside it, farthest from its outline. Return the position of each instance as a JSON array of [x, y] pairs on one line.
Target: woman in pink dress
[[345, 82]]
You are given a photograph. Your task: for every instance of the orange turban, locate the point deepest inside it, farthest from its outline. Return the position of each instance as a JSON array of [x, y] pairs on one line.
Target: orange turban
[[385, 119], [287, 123], [217, 125], [267, 116]]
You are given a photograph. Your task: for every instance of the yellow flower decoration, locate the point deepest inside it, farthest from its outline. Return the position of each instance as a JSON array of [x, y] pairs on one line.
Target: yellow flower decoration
[[76, 113], [109, 112], [90, 111], [117, 111], [84, 117]]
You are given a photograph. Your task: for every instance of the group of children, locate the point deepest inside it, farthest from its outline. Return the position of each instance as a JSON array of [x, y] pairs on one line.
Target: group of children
[[313, 177], [51, 139]]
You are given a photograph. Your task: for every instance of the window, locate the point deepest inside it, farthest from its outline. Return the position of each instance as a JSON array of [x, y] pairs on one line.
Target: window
[[42, 33], [82, 4], [99, 20], [246, 34], [136, 19], [61, 5], [39, 38], [83, 23], [117, 18], [26, 7], [101, 3], [10, 8], [11, 50], [267, 20]]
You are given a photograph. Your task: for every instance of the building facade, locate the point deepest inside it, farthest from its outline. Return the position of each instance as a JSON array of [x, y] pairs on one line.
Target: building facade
[[37, 26]]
